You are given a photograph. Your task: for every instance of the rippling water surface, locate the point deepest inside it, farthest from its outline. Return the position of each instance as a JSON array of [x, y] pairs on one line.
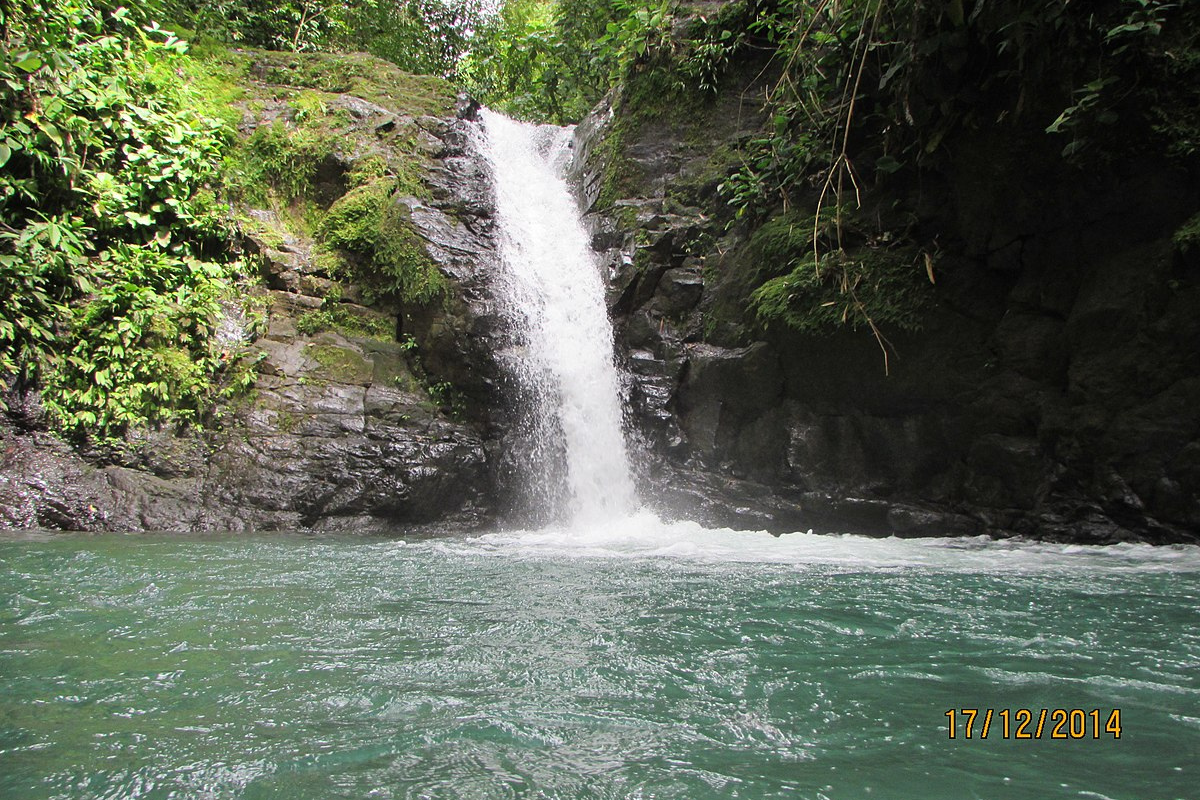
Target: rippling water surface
[[640, 660]]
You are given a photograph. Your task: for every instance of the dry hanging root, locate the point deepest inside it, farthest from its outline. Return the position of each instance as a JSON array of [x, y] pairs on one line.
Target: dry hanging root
[[841, 167]]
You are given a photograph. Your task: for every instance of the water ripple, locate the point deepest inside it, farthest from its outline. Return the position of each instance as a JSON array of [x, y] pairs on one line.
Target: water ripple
[[512, 666]]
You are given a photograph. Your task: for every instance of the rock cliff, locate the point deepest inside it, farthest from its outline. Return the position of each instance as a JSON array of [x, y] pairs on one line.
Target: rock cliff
[[1053, 389], [368, 413]]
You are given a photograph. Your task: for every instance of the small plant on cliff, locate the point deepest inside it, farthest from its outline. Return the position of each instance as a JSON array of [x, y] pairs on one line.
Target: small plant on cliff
[[448, 398], [642, 30]]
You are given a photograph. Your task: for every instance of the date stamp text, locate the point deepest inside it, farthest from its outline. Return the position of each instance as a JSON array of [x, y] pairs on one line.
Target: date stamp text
[[1033, 723]]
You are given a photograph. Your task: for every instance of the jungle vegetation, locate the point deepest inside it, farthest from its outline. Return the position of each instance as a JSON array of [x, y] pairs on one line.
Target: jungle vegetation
[[119, 160]]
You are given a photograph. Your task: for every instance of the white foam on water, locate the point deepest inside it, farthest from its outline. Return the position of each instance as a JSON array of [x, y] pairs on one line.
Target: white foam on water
[[644, 535]]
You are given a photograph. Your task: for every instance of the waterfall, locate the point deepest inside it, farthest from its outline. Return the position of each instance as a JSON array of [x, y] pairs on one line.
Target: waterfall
[[551, 284]]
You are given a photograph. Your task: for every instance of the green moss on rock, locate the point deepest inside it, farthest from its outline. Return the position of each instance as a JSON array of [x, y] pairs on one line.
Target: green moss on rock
[[353, 221], [356, 322], [279, 159], [869, 287], [1187, 236], [359, 74], [340, 364], [820, 274], [388, 256]]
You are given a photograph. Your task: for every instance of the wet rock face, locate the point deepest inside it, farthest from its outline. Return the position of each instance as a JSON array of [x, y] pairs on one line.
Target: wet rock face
[[459, 338], [342, 430], [325, 459], [1052, 392], [340, 435]]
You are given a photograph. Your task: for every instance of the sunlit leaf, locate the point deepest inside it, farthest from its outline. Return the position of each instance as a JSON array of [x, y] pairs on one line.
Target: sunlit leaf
[[30, 63], [52, 133]]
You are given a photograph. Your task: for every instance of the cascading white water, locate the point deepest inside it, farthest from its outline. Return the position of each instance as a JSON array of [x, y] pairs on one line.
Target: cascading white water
[[555, 294]]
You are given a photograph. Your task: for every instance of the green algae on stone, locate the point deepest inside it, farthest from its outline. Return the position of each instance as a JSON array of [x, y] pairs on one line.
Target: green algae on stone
[[340, 364], [389, 257], [358, 74]]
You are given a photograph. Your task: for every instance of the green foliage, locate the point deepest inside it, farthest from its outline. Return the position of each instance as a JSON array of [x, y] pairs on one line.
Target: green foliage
[[96, 125], [107, 221], [142, 346], [863, 90], [548, 60], [551, 60], [299, 165], [429, 37], [448, 398], [386, 255], [308, 106], [216, 79], [38, 274], [770, 166], [118, 155], [421, 36], [579, 30], [1187, 237], [513, 66], [1129, 31], [700, 185], [311, 322], [353, 221], [870, 288], [290, 25], [714, 44], [641, 32], [540, 59], [279, 159], [868, 87]]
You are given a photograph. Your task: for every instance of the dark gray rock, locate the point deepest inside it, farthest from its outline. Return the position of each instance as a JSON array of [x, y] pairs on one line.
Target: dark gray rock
[[723, 391], [678, 291]]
